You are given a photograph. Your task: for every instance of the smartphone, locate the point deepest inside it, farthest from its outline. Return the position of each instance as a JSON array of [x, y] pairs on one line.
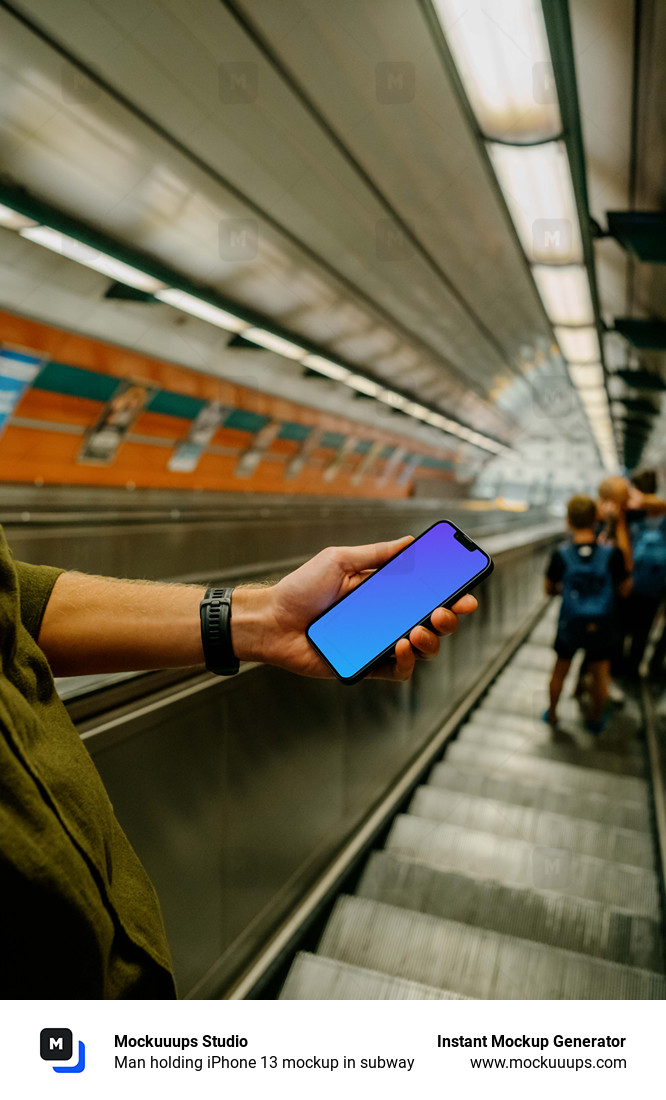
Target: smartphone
[[362, 628]]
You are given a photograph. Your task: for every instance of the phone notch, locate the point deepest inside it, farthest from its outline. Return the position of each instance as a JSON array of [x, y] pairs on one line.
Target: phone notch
[[461, 537]]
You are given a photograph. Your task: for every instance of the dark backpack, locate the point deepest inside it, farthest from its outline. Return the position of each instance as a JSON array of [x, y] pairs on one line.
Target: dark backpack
[[649, 551], [588, 590]]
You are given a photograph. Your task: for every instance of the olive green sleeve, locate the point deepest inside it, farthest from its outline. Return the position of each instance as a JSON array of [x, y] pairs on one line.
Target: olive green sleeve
[[35, 586]]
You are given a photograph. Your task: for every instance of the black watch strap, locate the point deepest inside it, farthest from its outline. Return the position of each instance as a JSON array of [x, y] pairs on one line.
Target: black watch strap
[[215, 612]]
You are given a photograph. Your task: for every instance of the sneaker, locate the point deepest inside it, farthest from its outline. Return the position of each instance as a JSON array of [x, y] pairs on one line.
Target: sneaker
[[597, 727], [546, 718]]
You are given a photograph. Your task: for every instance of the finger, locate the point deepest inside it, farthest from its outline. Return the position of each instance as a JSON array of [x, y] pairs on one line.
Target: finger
[[444, 620], [425, 642], [405, 659], [465, 605], [399, 667], [355, 559]]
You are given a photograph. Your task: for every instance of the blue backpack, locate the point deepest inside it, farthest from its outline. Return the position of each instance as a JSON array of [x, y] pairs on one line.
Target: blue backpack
[[588, 590], [649, 551]]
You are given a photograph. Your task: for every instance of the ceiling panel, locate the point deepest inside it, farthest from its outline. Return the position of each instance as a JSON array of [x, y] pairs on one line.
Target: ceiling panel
[[317, 266], [328, 138]]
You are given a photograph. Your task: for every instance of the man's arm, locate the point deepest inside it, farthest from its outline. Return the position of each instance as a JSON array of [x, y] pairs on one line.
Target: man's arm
[[552, 583], [96, 624], [623, 541], [613, 513], [646, 502]]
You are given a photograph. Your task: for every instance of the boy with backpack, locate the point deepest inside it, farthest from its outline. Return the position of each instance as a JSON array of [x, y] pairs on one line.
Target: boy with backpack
[[589, 577]]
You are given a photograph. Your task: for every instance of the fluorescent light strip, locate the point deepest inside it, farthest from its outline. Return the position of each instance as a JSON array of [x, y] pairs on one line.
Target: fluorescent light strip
[[11, 219], [579, 345], [503, 59], [326, 367], [536, 184], [395, 400], [363, 385], [272, 342], [420, 412], [197, 307], [565, 293], [72, 249], [593, 400], [501, 52], [584, 375]]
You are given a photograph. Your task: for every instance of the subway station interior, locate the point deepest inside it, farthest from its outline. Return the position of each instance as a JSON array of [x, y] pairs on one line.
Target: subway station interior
[[280, 275]]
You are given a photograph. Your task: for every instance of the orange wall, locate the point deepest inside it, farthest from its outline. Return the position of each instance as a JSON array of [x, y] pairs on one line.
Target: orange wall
[[37, 454]]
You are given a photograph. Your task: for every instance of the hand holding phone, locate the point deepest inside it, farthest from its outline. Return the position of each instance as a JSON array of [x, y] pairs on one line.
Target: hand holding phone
[[363, 627], [269, 625]]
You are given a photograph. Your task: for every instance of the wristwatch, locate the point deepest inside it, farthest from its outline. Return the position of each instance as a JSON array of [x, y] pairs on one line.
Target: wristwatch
[[215, 613]]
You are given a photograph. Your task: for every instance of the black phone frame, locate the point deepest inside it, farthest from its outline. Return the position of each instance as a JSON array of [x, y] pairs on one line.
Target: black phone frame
[[467, 587]]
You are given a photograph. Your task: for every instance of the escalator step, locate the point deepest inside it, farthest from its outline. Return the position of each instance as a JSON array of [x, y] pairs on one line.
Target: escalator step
[[617, 738], [522, 723], [536, 657], [528, 913], [525, 766], [316, 978], [536, 826], [524, 702], [584, 805], [523, 863], [548, 749], [473, 961], [530, 678], [544, 635]]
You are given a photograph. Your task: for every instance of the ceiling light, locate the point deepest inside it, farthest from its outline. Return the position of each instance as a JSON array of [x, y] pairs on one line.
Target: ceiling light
[[600, 421], [592, 393], [325, 366], [565, 293], [189, 303], [465, 433], [443, 422], [10, 219], [412, 408], [363, 385], [579, 345], [72, 249], [274, 343], [594, 400], [536, 184], [584, 375], [395, 400], [501, 52]]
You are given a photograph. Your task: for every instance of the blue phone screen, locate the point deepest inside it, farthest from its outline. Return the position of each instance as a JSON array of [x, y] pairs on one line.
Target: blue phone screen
[[394, 599]]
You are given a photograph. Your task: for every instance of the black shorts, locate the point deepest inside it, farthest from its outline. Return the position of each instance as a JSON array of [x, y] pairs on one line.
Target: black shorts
[[599, 645]]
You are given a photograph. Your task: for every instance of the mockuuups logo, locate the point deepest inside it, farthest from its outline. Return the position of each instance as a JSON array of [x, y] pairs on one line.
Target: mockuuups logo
[[55, 1045]]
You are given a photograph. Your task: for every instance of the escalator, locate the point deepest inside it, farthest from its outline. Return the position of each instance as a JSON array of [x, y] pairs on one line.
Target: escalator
[[525, 868]]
